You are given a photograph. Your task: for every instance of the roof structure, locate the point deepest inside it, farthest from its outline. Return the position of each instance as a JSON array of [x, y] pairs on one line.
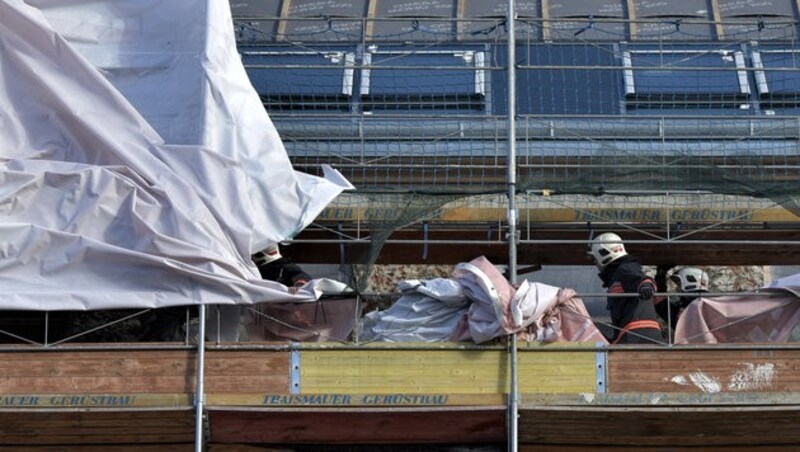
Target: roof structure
[[671, 123]]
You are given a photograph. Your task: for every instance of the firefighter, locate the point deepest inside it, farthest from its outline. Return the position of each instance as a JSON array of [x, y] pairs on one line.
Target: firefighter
[[274, 267], [634, 318], [690, 280]]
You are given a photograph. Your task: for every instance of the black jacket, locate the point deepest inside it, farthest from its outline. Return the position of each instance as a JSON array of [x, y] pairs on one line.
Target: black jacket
[[284, 271], [625, 275]]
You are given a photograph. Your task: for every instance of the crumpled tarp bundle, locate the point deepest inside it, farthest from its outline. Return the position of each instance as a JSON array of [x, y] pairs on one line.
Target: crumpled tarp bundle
[[427, 311], [479, 304]]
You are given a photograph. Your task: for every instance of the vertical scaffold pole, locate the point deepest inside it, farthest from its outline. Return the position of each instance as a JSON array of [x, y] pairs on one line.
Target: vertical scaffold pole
[[512, 214], [199, 397]]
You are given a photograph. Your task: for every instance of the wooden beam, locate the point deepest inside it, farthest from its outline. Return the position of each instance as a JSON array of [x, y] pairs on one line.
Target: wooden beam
[[460, 19], [87, 427], [546, 23], [716, 15], [121, 372], [451, 245], [681, 427], [282, 23], [633, 26], [727, 371], [441, 372], [369, 28], [459, 425]]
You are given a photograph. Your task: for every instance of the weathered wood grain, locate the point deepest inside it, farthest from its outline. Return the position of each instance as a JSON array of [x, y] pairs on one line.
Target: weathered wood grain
[[443, 371], [712, 371], [663, 427], [247, 371], [99, 426], [141, 371], [359, 426], [110, 372]]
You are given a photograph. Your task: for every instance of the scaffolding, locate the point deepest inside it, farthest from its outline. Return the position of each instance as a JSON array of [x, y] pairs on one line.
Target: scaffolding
[[521, 136], [678, 130]]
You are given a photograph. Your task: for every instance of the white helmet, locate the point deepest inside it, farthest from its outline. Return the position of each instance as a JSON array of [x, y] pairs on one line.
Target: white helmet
[[691, 279], [267, 255], [607, 248]]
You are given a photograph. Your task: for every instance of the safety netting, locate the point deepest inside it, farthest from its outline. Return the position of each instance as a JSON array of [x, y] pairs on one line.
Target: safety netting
[[627, 112]]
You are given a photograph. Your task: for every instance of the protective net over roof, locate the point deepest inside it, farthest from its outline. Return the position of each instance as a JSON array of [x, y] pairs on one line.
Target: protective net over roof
[[626, 112]]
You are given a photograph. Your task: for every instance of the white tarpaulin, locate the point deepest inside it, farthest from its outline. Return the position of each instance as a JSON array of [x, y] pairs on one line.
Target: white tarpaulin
[[139, 168], [479, 304], [428, 311]]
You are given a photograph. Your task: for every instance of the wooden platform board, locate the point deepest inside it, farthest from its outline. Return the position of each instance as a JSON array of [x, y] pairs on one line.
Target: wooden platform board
[[569, 395], [61, 427], [387, 371], [705, 371], [677, 427], [233, 371], [128, 371], [397, 425]]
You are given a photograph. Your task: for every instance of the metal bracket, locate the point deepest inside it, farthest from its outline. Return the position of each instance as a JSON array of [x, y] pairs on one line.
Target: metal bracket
[[294, 368], [600, 368], [339, 229], [425, 241]]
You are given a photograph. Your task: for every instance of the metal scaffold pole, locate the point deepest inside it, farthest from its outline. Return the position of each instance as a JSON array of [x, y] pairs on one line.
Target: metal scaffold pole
[[199, 397], [512, 217]]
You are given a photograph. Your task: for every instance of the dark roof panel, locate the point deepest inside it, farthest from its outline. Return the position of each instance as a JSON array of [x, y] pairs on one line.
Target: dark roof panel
[[586, 27], [330, 8], [763, 30], [251, 19], [482, 20], [586, 8], [485, 20], [674, 20], [485, 8], [753, 8], [415, 8], [410, 29], [327, 20], [762, 20], [673, 29], [673, 8], [270, 8], [412, 20], [322, 30]]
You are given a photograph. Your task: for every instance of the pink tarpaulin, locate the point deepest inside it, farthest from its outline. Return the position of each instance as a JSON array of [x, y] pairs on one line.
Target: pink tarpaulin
[[574, 322], [534, 311], [767, 317]]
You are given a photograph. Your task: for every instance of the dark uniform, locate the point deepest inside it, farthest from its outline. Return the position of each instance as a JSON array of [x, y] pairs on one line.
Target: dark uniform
[[635, 318], [285, 272]]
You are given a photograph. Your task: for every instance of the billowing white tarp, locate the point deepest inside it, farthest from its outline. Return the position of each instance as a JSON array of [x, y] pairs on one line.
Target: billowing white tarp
[[138, 167]]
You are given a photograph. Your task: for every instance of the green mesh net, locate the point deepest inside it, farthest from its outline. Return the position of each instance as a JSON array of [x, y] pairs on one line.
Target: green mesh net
[[624, 115]]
